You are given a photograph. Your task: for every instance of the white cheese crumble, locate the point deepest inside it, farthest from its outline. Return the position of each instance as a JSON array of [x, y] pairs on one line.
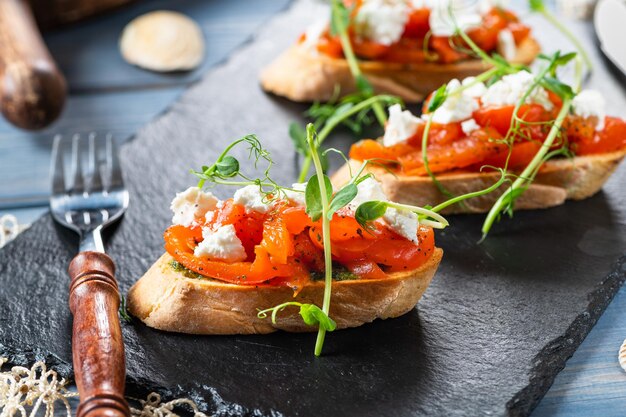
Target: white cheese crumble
[[506, 44], [469, 126], [368, 190], [382, 21], [457, 107], [252, 198], [402, 124], [590, 103], [473, 88], [313, 34], [511, 88], [485, 6], [221, 244], [294, 196], [465, 13], [191, 205], [403, 222]]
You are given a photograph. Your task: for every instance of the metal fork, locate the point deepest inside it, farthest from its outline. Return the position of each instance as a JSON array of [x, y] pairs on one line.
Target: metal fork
[[87, 205]]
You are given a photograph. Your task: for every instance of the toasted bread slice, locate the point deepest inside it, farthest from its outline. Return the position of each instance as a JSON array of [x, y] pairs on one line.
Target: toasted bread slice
[[558, 180], [167, 300], [303, 76]]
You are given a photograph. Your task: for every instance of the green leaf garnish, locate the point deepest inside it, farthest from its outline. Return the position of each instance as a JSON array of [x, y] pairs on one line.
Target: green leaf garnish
[[536, 5], [313, 315], [342, 198], [123, 311], [227, 167], [313, 198], [438, 98], [369, 211], [363, 85], [558, 87], [298, 137]]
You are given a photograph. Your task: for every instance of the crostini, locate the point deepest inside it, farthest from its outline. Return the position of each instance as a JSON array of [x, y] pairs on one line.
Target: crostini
[[405, 47], [227, 260], [473, 134]]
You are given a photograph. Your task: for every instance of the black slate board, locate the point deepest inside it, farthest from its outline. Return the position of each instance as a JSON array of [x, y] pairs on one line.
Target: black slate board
[[490, 334]]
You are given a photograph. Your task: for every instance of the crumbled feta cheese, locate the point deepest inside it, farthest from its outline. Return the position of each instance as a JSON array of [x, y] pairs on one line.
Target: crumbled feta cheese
[[511, 88], [506, 44], [485, 6], [313, 34], [400, 126], [368, 190], [403, 222], [473, 88], [457, 106], [465, 13], [469, 126], [382, 21], [191, 205], [221, 244], [294, 196], [252, 198], [590, 103]]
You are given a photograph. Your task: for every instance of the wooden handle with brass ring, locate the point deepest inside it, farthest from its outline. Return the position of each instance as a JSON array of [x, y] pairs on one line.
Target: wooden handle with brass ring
[[32, 89], [97, 344]]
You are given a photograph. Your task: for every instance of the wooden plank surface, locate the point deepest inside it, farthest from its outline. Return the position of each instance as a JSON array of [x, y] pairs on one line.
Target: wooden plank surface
[[108, 95], [111, 96]]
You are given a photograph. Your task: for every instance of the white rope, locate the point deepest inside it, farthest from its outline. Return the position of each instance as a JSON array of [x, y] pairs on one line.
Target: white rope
[[23, 392], [9, 229], [152, 407], [22, 389]]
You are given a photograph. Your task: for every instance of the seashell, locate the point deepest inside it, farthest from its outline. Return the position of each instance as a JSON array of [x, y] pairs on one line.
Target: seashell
[[163, 41], [576, 9], [622, 355]]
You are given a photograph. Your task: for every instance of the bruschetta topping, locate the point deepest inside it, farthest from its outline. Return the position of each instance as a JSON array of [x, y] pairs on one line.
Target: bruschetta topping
[[247, 240], [415, 31], [191, 206], [468, 133]]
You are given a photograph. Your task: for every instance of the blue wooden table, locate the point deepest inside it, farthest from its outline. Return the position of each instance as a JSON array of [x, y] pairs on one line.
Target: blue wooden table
[[107, 95]]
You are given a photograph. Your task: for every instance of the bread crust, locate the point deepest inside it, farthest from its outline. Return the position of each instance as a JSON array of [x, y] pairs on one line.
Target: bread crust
[[558, 180], [165, 299], [303, 76]]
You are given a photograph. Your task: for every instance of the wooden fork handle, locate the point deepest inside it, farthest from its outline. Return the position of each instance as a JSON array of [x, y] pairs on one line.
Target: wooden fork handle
[[97, 345], [32, 89]]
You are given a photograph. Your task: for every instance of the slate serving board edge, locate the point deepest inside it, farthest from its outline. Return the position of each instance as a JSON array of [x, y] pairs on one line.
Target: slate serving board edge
[[556, 353], [552, 355]]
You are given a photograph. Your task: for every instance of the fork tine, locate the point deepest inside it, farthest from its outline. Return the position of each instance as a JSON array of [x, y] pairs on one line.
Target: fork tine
[[113, 164], [77, 171], [95, 180], [56, 169]]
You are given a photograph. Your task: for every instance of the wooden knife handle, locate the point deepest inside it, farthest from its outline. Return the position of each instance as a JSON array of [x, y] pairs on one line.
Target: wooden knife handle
[[32, 89], [97, 345]]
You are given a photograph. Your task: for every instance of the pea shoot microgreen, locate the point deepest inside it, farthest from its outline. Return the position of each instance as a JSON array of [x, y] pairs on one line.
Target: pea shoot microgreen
[[311, 315], [352, 110], [330, 123], [370, 211], [123, 311], [322, 203], [226, 170], [540, 7]]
